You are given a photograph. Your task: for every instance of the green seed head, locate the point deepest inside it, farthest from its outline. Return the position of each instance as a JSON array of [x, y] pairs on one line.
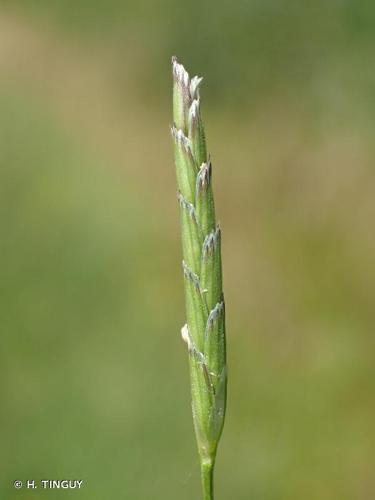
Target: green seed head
[[204, 332]]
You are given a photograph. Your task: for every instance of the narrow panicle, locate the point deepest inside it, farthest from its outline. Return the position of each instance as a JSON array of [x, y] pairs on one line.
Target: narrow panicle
[[204, 332]]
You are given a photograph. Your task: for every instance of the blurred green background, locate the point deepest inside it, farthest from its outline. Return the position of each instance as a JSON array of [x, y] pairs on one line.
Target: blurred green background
[[94, 375]]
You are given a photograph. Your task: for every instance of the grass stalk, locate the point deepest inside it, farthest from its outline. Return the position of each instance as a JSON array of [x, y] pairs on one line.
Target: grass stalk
[[207, 478], [204, 332]]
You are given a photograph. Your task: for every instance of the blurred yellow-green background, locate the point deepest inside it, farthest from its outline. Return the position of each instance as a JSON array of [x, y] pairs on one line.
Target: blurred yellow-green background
[[94, 375]]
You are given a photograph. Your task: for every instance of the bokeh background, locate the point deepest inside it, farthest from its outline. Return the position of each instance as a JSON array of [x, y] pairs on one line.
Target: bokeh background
[[94, 381]]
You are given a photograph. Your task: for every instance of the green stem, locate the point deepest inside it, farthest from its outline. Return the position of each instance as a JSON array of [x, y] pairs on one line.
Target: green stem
[[207, 476]]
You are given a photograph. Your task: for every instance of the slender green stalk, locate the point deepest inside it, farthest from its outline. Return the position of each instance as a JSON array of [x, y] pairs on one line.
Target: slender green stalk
[[207, 476], [204, 332]]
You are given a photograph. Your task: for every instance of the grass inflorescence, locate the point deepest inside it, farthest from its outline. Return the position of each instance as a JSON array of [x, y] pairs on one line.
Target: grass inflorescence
[[204, 332]]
